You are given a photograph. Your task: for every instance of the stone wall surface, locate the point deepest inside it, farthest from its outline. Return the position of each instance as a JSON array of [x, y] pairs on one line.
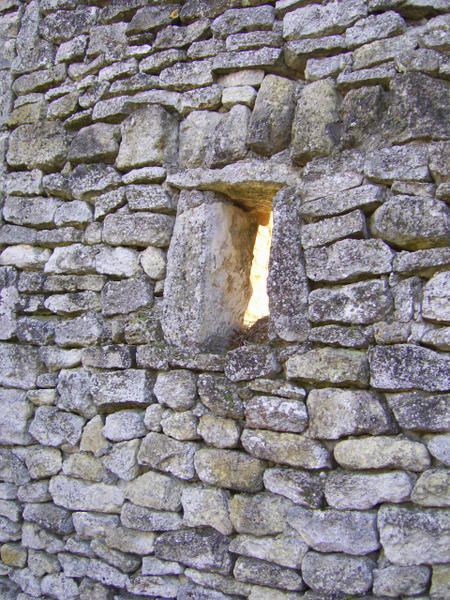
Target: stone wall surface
[[148, 447]]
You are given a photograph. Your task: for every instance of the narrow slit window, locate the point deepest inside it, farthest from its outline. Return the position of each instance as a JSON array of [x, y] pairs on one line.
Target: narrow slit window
[[258, 306]]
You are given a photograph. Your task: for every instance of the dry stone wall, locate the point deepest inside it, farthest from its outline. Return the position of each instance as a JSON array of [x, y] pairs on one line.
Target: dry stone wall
[[149, 448]]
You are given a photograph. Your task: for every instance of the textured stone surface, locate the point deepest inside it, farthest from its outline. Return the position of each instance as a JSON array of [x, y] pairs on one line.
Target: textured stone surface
[[261, 514], [78, 495], [229, 469], [41, 146], [331, 573]]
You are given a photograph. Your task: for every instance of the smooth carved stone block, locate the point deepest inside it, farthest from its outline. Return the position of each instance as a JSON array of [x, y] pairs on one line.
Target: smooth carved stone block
[[406, 367], [334, 413], [412, 536], [270, 124], [286, 448], [352, 532], [330, 365], [207, 283], [382, 452], [229, 469], [412, 223], [149, 137]]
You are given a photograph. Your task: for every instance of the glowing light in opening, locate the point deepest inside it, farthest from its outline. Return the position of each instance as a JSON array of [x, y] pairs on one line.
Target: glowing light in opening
[[258, 306]]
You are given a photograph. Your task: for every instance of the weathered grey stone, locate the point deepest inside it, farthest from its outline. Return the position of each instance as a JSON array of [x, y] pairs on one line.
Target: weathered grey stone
[[286, 549], [431, 488], [352, 532], [396, 581], [220, 229], [155, 490], [12, 469], [138, 230], [153, 261], [124, 425], [323, 232], [123, 297], [176, 389], [75, 258], [348, 260], [129, 387], [382, 452], [357, 303], [39, 539], [84, 466], [203, 549], [316, 20], [206, 508], [411, 222], [270, 124], [52, 427], [278, 414], [219, 432], [418, 108], [38, 211], [334, 573], [76, 214], [412, 536], [74, 392], [123, 562], [181, 426], [49, 517], [220, 396], [121, 262], [440, 581], [425, 262], [321, 68], [229, 469], [80, 495], [63, 25], [143, 519], [25, 183], [195, 132], [409, 162], [287, 286], [260, 572], [335, 413], [418, 411], [260, 514], [365, 197], [405, 367], [286, 448], [122, 460], [250, 362], [301, 487], [182, 77], [361, 491], [79, 332], [88, 181], [435, 306], [10, 531], [227, 141], [73, 303], [246, 19], [155, 566], [90, 525], [43, 462], [297, 53], [315, 130], [15, 412], [20, 366], [166, 454], [150, 197], [238, 95], [262, 58], [164, 587], [330, 365], [104, 573], [148, 138], [439, 447], [96, 143], [42, 145]]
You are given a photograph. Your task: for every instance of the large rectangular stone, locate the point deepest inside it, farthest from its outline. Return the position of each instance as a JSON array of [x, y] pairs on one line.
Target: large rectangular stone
[[130, 387], [75, 494], [140, 230], [20, 366]]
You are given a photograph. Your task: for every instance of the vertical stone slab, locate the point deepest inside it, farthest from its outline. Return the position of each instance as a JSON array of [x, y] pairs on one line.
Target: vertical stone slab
[[207, 286], [287, 284]]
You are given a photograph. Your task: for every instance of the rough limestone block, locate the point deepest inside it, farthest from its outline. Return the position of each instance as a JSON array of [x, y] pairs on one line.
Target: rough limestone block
[[323, 232], [278, 414], [301, 487], [155, 490], [53, 427], [259, 514], [206, 507], [285, 448], [249, 362], [131, 387], [287, 286], [250, 570], [406, 367], [412, 536], [358, 303], [246, 19], [409, 162], [315, 130], [149, 137], [195, 133], [182, 77], [361, 491], [227, 142], [351, 532], [203, 549], [140, 230], [21, 365], [418, 411], [335, 413], [397, 581], [431, 488], [286, 549], [382, 452], [42, 145], [176, 389], [95, 143], [330, 365], [129, 295], [162, 452], [331, 573], [436, 298], [412, 223], [141, 518], [229, 469], [270, 124], [207, 282], [15, 412], [34, 212]]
